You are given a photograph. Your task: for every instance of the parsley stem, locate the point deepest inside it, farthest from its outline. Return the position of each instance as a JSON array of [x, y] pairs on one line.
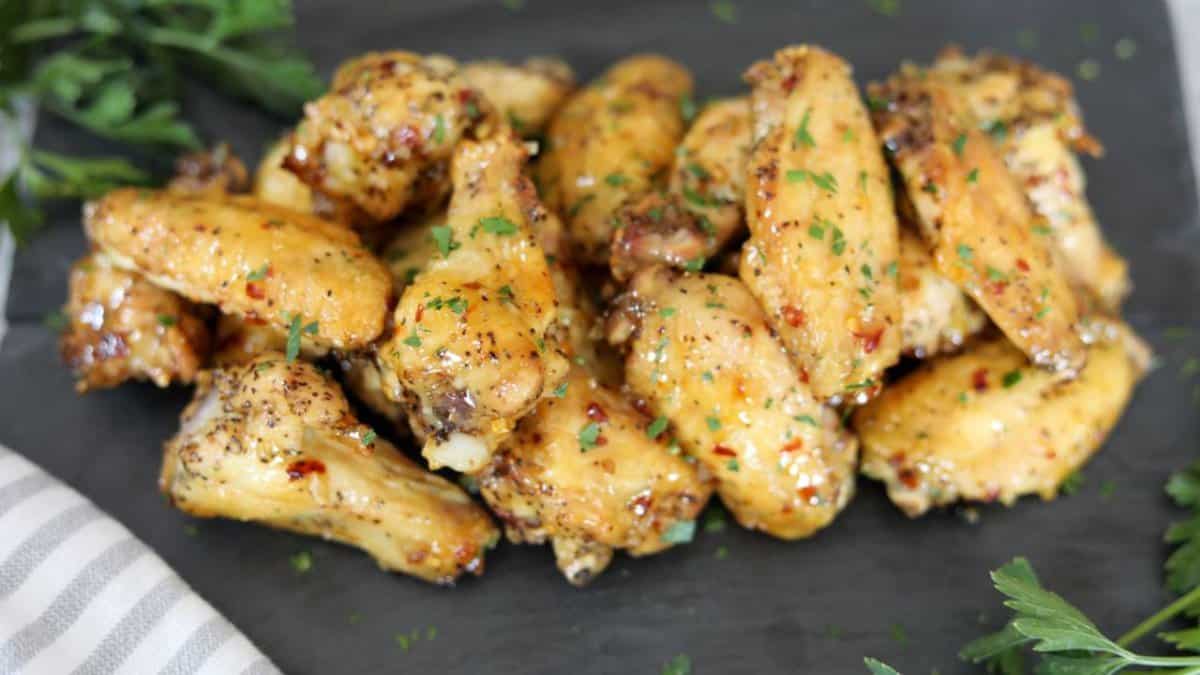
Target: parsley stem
[[1160, 617]]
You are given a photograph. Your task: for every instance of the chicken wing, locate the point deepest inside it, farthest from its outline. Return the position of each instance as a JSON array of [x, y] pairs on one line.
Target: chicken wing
[[472, 351], [249, 258], [122, 327], [215, 172], [823, 245], [701, 211], [275, 442], [612, 140], [584, 472], [1034, 120], [937, 316], [975, 219], [381, 138], [984, 426], [703, 355], [527, 95], [274, 184]]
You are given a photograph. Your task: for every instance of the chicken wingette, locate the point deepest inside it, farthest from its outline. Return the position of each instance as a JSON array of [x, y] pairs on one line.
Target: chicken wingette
[[471, 350], [249, 258], [612, 140], [380, 139], [984, 425], [704, 357], [937, 316], [121, 327], [526, 95], [972, 213], [276, 443], [1034, 120], [702, 209], [586, 470], [823, 248]]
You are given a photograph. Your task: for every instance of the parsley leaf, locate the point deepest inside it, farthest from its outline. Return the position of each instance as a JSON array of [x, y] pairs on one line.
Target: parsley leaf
[[498, 225], [443, 237], [657, 427], [680, 532], [588, 436], [802, 135]]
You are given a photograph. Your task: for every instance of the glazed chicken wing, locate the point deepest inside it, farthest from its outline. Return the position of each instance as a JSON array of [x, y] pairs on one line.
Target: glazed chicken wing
[[275, 442], [472, 350], [527, 95], [823, 245], [122, 327], [701, 211], [702, 354], [249, 258], [975, 218], [1035, 122], [275, 184], [937, 315], [612, 140], [381, 138], [583, 472], [984, 426]]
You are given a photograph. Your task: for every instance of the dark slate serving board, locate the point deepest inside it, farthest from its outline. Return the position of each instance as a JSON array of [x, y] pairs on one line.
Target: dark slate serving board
[[876, 583]]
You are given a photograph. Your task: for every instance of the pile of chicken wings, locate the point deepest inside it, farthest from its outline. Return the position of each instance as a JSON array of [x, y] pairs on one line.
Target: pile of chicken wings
[[592, 308]]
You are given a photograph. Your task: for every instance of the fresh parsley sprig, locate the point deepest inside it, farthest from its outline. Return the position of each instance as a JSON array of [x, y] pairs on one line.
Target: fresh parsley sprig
[[115, 68], [1066, 642]]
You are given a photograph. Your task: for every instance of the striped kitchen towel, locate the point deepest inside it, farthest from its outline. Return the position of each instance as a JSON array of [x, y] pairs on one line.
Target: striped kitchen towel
[[80, 594]]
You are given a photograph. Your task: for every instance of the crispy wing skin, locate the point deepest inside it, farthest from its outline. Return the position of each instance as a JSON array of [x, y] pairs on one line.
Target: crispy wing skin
[[248, 258], [937, 316], [823, 235], [275, 443], [985, 426], [215, 172], [975, 218], [701, 211], [1036, 124], [612, 140], [527, 95], [380, 139], [702, 354], [122, 327], [472, 350], [620, 490]]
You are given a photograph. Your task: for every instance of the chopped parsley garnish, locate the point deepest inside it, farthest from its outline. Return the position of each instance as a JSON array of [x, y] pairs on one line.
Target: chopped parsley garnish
[[806, 419], [839, 241], [802, 135], [666, 312], [258, 274], [714, 519], [866, 271], [369, 437], [439, 130], [707, 376], [892, 269], [457, 305], [1011, 378], [826, 181], [443, 236], [506, 293], [959, 143], [498, 225], [413, 340], [1042, 230], [865, 384], [890, 8], [997, 129], [579, 204], [296, 329], [616, 179], [697, 199], [561, 390], [698, 171], [680, 532], [657, 427], [588, 435], [1071, 484], [816, 231], [695, 264], [714, 423], [56, 321], [724, 10], [687, 107], [166, 320], [302, 562], [965, 253], [973, 176], [733, 465]]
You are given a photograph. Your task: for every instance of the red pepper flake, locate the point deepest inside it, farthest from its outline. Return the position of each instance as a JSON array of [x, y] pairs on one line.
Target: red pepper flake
[[1022, 265], [790, 82], [897, 460], [596, 413], [420, 312], [473, 285], [794, 316], [601, 440], [992, 495], [997, 287], [408, 136], [979, 380], [465, 95], [870, 339], [724, 451], [808, 493], [804, 375], [641, 504], [302, 467], [255, 290], [795, 445], [909, 478]]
